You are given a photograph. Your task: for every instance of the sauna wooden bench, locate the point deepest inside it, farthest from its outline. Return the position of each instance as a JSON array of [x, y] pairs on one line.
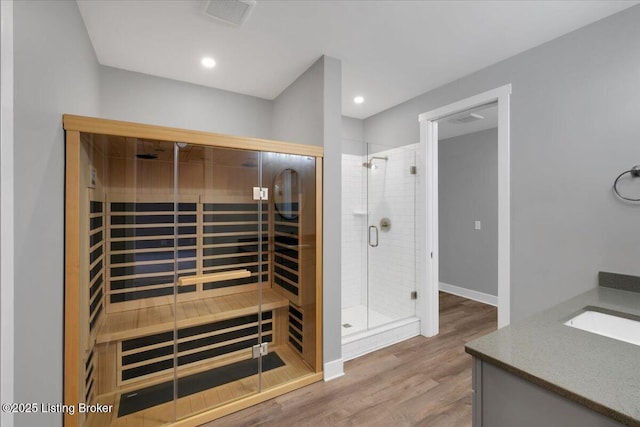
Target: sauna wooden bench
[[146, 321]]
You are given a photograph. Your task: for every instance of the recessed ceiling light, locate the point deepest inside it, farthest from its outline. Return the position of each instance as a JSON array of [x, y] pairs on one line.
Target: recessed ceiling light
[[208, 62], [358, 100]]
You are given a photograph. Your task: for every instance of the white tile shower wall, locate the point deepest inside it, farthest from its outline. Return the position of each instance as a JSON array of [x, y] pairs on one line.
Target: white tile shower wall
[[391, 194], [354, 217]]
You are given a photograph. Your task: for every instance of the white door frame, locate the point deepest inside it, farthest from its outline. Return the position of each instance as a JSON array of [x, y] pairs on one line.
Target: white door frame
[[428, 307]]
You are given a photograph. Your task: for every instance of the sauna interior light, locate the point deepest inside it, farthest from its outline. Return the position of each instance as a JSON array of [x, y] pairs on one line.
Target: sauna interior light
[[208, 62], [358, 100]]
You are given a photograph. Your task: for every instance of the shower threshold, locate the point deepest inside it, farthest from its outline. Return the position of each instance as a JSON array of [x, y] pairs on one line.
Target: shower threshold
[[366, 341], [358, 318]]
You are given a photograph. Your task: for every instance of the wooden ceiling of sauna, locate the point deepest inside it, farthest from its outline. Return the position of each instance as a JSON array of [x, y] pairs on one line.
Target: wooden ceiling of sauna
[[126, 147]]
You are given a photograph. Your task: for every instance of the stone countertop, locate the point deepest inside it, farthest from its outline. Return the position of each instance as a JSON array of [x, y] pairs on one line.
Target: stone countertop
[[596, 371]]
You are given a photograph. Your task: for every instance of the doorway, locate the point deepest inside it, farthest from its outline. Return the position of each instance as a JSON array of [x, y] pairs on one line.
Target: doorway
[[429, 273]]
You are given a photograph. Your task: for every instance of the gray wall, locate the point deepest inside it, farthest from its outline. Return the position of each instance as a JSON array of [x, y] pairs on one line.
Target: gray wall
[[56, 72], [352, 128], [468, 192], [6, 210], [353, 136], [574, 127], [135, 97], [306, 112], [297, 111], [309, 112], [332, 210]]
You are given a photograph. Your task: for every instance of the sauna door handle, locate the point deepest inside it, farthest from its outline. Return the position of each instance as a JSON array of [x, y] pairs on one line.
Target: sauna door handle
[[213, 277], [373, 245]]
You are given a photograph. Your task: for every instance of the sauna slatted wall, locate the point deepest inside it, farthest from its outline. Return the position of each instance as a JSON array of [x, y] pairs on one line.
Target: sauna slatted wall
[[96, 264], [231, 241], [286, 265], [286, 271], [142, 241], [89, 378], [296, 328], [212, 237], [153, 355], [95, 289]]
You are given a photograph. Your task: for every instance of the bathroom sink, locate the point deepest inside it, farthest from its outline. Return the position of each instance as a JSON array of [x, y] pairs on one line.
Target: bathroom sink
[[613, 326]]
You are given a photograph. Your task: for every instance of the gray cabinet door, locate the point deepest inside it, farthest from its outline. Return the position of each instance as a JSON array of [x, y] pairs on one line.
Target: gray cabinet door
[[501, 399]]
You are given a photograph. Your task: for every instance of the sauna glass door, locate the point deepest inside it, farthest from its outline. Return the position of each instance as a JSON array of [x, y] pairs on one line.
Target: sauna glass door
[[220, 325], [149, 240]]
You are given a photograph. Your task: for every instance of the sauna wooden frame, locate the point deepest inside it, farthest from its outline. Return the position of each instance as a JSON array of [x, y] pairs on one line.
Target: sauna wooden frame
[[79, 387]]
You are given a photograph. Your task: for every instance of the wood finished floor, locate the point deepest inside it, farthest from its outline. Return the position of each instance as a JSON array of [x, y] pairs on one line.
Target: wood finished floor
[[419, 382]]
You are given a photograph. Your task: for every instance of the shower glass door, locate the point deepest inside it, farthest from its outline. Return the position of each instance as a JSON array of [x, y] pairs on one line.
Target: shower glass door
[[390, 233]]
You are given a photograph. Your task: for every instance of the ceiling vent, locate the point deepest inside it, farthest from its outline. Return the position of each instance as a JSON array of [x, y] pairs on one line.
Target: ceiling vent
[[233, 12], [466, 118]]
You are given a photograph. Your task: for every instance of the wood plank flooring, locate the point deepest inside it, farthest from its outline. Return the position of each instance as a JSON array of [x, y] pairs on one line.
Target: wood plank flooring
[[419, 382]]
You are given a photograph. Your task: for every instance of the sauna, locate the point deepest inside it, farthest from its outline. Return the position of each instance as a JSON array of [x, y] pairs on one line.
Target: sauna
[[193, 264]]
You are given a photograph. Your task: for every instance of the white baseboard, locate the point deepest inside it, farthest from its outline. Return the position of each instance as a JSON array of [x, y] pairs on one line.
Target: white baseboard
[[333, 369], [469, 294]]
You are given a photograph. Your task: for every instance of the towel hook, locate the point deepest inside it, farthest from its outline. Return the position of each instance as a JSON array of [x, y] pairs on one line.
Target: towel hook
[[635, 173]]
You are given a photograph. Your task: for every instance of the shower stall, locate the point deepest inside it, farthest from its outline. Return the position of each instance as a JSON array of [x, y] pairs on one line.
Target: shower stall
[[378, 246]]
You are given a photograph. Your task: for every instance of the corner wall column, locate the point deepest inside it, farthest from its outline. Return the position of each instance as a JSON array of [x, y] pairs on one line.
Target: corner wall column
[[6, 211]]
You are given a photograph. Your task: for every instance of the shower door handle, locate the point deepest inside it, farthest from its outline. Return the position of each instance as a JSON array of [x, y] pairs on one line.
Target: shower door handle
[[373, 245]]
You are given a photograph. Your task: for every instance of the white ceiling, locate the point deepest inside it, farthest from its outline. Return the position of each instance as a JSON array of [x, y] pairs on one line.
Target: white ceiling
[[391, 51]]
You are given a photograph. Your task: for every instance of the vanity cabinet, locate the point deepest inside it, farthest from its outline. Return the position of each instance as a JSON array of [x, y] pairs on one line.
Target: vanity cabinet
[[502, 399]]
